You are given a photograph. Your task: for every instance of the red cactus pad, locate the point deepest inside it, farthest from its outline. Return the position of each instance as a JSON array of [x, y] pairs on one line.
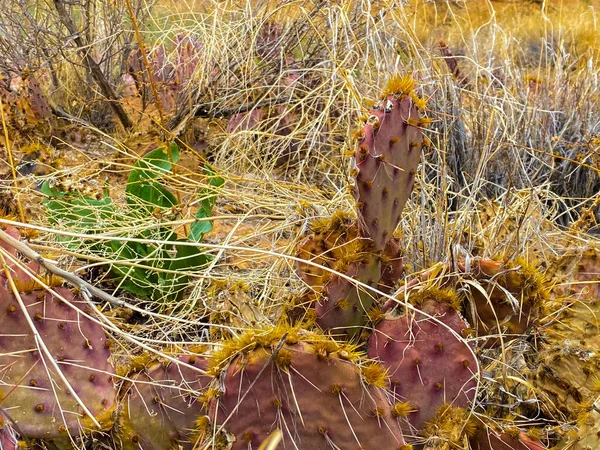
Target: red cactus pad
[[429, 366], [162, 405], [387, 157], [317, 399]]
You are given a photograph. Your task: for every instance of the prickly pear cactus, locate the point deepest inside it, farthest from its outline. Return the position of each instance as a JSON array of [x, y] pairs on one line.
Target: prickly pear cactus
[[577, 276], [568, 362], [428, 363], [509, 300], [494, 440], [315, 391], [497, 297], [38, 101], [32, 391], [8, 436], [161, 405], [335, 244], [387, 156]]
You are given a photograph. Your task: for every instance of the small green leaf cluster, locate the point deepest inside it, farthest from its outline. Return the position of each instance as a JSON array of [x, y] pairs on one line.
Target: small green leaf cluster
[[146, 256]]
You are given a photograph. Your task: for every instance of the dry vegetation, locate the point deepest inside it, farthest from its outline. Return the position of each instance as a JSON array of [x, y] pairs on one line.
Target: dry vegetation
[[512, 89]]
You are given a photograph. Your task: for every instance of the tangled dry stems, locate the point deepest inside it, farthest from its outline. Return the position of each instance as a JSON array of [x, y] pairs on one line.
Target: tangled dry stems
[[514, 159]]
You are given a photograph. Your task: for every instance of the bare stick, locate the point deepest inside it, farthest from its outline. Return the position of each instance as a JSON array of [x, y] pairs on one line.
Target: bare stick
[[74, 279], [92, 66]]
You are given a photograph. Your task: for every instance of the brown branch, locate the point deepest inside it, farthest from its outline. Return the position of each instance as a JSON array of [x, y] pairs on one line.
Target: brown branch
[[93, 67]]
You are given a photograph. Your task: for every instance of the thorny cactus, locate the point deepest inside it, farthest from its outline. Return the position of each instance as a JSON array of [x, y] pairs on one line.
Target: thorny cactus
[[586, 436], [8, 436], [501, 300], [161, 404], [37, 99], [171, 70], [429, 363], [53, 356], [568, 363], [387, 155], [508, 299], [25, 106], [316, 391]]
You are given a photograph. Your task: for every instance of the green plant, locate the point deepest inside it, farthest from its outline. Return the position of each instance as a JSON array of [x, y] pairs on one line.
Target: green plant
[[161, 270]]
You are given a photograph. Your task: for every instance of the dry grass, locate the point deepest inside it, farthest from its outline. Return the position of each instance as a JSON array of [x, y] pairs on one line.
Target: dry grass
[[514, 163]]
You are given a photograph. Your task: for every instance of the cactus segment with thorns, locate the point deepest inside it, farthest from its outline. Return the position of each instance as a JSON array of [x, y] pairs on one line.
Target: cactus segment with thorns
[[335, 244], [161, 405], [387, 156], [494, 440], [588, 436], [32, 391], [514, 294], [568, 364], [8, 436], [428, 363], [39, 103], [315, 391]]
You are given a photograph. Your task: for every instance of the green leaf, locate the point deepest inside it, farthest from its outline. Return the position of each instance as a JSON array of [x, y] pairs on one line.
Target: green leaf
[[208, 197], [51, 191], [154, 165], [142, 184], [81, 212], [136, 280], [187, 258]]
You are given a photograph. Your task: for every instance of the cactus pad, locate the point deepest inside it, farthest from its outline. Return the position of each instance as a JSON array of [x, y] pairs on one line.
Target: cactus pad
[[335, 244], [8, 436], [515, 292], [387, 156], [31, 392], [162, 404], [318, 399], [429, 366]]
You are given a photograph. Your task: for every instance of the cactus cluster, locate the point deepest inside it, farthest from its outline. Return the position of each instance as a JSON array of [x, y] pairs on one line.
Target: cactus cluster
[[381, 367], [25, 106], [171, 69], [386, 159]]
